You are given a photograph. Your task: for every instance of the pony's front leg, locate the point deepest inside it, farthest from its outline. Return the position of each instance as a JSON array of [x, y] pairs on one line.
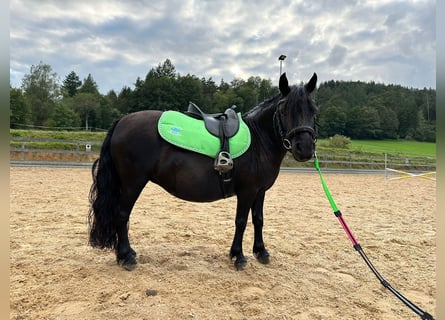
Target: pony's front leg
[[259, 250], [242, 213]]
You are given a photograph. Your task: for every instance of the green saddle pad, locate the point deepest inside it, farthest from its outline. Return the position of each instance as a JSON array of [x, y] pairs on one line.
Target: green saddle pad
[[190, 133]]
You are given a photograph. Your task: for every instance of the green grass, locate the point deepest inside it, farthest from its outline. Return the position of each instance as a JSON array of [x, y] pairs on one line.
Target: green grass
[[394, 148], [86, 136]]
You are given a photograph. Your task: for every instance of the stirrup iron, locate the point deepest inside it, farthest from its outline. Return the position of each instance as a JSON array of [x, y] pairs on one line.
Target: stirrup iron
[[223, 162]]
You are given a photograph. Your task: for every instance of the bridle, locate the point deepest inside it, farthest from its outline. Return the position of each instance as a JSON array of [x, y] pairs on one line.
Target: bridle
[[286, 137]]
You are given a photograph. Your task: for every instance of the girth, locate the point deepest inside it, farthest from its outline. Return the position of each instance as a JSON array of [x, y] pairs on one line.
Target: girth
[[224, 126]]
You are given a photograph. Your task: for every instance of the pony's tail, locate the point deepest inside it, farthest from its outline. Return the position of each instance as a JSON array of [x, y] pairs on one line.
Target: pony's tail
[[104, 198]]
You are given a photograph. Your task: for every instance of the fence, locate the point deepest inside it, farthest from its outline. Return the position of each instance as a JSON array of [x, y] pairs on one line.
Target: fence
[[367, 162], [55, 150], [30, 149]]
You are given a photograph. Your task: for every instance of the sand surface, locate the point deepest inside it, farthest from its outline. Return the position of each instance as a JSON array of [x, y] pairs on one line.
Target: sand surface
[[183, 248]]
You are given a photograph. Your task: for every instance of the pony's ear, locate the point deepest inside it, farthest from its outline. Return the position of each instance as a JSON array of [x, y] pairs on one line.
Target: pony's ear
[[310, 86], [284, 85]]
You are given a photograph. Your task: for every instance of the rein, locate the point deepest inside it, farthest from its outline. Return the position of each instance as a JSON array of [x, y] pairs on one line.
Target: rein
[[424, 315]]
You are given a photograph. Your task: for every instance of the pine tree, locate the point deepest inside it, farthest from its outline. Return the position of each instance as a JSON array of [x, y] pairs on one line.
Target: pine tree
[[89, 86], [71, 84]]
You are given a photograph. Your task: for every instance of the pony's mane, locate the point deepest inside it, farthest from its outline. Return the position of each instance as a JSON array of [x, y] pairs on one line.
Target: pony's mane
[[295, 94], [263, 106]]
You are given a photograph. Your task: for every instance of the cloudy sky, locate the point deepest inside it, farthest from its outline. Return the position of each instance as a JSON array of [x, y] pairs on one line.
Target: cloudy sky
[[386, 41]]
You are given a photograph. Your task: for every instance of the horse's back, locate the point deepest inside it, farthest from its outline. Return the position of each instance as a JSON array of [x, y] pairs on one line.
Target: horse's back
[[136, 124], [140, 154]]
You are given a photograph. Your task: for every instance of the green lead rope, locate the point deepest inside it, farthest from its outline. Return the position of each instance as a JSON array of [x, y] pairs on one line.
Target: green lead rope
[[325, 187], [424, 315], [337, 212]]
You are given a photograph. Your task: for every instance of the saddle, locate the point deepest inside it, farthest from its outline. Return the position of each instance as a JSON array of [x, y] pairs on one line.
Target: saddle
[[226, 122], [222, 125]]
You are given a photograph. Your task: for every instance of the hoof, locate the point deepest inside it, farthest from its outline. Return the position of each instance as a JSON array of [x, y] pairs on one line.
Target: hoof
[[240, 259], [128, 261], [129, 266], [263, 257], [240, 263]]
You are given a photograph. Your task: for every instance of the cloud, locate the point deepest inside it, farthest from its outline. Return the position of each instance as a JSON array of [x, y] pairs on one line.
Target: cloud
[[117, 41], [337, 55]]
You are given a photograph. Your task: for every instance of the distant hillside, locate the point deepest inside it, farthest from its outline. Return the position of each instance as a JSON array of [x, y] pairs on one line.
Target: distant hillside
[[362, 110]]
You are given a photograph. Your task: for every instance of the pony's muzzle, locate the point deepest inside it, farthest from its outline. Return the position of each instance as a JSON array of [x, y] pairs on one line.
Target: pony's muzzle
[[303, 149], [301, 142]]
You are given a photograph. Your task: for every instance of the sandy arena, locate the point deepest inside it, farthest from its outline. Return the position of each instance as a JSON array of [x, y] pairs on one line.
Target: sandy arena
[[183, 248]]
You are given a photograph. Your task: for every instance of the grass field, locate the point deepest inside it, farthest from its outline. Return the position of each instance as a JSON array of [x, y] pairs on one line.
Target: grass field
[[62, 135], [395, 148]]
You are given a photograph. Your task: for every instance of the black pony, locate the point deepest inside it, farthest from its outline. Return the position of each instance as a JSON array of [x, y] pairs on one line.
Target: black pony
[[133, 153]]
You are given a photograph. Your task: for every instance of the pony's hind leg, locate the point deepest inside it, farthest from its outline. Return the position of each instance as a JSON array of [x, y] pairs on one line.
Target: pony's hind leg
[[125, 254]]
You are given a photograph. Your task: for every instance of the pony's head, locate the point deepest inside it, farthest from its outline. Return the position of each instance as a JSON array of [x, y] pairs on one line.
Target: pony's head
[[295, 118]]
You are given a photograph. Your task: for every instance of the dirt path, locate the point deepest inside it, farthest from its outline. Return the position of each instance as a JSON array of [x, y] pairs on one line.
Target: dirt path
[[183, 252]]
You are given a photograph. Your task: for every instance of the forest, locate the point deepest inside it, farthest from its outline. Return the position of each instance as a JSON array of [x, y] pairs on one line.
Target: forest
[[355, 109]]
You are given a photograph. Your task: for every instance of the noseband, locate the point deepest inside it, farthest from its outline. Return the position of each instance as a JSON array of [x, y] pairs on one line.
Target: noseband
[[286, 137]]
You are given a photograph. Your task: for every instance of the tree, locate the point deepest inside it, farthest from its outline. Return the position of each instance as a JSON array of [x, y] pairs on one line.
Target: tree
[[209, 88], [333, 122], [248, 92], [353, 108], [408, 116], [389, 123], [223, 86], [378, 111], [158, 94], [71, 84], [65, 117], [159, 90], [42, 91], [167, 69], [189, 88], [124, 100], [362, 123], [89, 86], [20, 111], [111, 98], [107, 111], [226, 99], [425, 131], [87, 106], [266, 90]]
